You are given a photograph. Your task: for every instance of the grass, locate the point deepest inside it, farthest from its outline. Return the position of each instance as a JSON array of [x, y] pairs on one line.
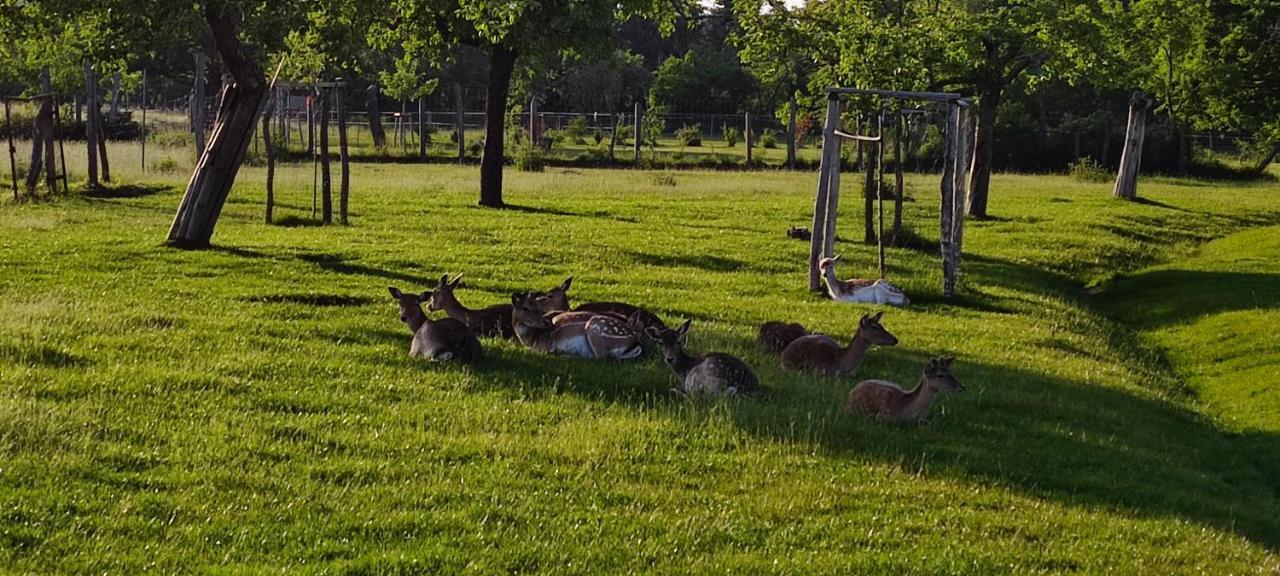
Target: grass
[[252, 407]]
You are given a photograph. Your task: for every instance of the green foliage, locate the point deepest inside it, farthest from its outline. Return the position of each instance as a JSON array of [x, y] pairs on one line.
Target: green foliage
[[651, 128], [577, 127], [530, 159], [690, 135], [164, 166], [1089, 170], [769, 138], [732, 135], [683, 82], [597, 136]]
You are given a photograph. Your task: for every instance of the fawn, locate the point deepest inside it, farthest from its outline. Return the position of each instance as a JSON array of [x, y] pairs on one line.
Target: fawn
[[714, 373], [885, 401], [556, 300], [821, 353], [597, 336], [774, 336], [859, 290], [444, 339]]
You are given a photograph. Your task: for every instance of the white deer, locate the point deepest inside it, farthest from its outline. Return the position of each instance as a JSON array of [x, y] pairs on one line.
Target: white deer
[[859, 290]]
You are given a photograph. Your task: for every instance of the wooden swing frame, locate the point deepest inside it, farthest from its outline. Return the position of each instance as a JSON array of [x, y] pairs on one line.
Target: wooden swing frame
[[955, 170]]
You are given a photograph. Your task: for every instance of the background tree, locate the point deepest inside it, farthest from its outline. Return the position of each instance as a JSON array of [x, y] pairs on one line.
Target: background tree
[[506, 32]]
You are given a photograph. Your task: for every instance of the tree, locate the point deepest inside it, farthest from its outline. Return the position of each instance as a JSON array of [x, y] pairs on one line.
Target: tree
[[1242, 80], [536, 31]]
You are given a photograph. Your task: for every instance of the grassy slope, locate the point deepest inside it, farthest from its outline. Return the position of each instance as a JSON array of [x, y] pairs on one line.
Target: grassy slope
[[253, 405]]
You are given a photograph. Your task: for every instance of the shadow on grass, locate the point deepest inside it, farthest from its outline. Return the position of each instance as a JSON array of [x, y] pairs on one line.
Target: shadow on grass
[[701, 262], [125, 191], [341, 265], [296, 222], [1186, 295], [544, 211]]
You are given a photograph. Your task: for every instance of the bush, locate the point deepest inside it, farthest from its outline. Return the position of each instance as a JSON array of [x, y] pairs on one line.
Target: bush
[[690, 135], [475, 148], [173, 139], [732, 135], [577, 129], [1089, 170], [769, 139], [530, 159], [165, 166], [598, 136], [624, 134]]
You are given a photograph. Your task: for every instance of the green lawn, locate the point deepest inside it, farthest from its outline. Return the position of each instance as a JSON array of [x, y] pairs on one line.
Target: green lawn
[[253, 407]]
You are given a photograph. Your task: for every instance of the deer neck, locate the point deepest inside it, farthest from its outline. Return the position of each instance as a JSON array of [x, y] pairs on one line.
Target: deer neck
[[833, 285], [454, 309], [918, 400], [417, 319], [534, 336], [853, 354], [684, 363]]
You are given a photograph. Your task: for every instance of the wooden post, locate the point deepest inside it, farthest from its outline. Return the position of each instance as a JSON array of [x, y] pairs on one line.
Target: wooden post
[[880, 188], [326, 177], [422, 131], [344, 186], [49, 111], [41, 131], [198, 105], [869, 189], [958, 211], [636, 144], [90, 129], [746, 134], [818, 241], [791, 134], [613, 135], [311, 122], [144, 120], [533, 121], [373, 104], [947, 207], [102, 139], [13, 159], [1131, 156], [62, 154], [270, 149], [898, 186], [458, 128]]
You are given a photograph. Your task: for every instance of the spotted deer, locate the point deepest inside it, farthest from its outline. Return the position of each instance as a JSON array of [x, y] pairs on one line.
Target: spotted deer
[[491, 321], [445, 339], [597, 337], [887, 402], [821, 353], [774, 336], [714, 373], [556, 300], [859, 290]]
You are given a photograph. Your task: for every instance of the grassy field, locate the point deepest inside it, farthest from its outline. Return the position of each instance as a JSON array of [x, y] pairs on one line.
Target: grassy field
[[252, 407]]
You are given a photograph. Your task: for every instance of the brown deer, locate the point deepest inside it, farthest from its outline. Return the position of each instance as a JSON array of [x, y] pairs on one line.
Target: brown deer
[[887, 402], [714, 373], [820, 353], [491, 321], [557, 300], [775, 336], [859, 290], [597, 337], [445, 339]]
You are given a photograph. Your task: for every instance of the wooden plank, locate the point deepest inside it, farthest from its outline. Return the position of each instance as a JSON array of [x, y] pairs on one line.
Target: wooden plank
[[859, 137]]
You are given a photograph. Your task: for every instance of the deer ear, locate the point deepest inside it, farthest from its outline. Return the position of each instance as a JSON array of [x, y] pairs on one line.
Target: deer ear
[[457, 281], [684, 328], [653, 333], [395, 292], [567, 282], [424, 296], [444, 280], [878, 316]]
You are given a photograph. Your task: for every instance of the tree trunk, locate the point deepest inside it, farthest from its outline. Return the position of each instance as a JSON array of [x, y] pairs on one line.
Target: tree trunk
[[90, 130], [422, 132], [459, 126], [344, 186], [1131, 157], [869, 193], [198, 107], [216, 171], [898, 186], [375, 117], [983, 139], [270, 149], [102, 142], [42, 123], [501, 63], [791, 133], [1261, 167], [326, 178], [613, 135]]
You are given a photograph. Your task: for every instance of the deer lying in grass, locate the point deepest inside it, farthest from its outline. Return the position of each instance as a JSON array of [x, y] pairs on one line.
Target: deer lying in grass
[[821, 353], [597, 337], [859, 290], [556, 300], [799, 233], [775, 336], [492, 321], [885, 401], [714, 373], [445, 339]]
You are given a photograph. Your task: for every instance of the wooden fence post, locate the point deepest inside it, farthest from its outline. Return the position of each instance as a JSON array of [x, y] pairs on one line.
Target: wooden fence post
[[344, 186], [422, 130], [458, 128], [326, 175], [791, 134], [197, 105], [746, 134], [90, 128], [270, 149], [822, 222], [947, 207], [1131, 157], [636, 145]]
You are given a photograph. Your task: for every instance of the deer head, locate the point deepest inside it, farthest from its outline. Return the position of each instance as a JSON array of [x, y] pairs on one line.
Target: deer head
[[670, 341], [827, 264], [410, 306], [443, 294], [556, 299], [938, 375], [525, 311], [870, 329]]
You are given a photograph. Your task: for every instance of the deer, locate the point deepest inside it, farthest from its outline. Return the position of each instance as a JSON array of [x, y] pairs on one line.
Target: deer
[[710, 374], [436, 340], [598, 337], [799, 233], [774, 336], [887, 402], [859, 290], [556, 302], [821, 353], [491, 321]]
